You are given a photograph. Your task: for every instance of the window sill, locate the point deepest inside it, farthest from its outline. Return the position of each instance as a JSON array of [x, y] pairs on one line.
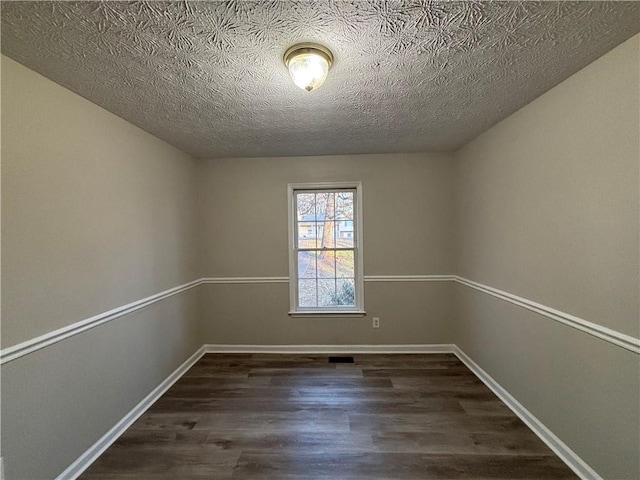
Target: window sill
[[324, 313]]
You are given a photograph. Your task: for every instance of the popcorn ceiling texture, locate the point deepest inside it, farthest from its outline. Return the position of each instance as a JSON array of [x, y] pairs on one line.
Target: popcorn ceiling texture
[[208, 77]]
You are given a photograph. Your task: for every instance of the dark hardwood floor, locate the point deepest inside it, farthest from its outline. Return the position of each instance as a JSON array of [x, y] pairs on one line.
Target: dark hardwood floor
[[258, 416]]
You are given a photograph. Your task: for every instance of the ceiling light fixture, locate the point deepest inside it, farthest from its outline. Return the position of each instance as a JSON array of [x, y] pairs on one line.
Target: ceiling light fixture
[[308, 64]]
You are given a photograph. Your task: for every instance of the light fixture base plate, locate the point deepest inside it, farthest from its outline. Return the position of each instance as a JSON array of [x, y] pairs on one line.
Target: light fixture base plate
[[308, 48]]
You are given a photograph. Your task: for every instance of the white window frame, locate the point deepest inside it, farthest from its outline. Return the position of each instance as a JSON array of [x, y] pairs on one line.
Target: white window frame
[[344, 311]]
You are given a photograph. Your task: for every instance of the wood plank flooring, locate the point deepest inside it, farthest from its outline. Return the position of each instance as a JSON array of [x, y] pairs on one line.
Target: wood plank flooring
[[259, 416]]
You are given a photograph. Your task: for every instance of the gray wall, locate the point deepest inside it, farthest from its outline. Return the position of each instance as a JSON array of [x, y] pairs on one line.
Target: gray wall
[[96, 214], [407, 225], [547, 208]]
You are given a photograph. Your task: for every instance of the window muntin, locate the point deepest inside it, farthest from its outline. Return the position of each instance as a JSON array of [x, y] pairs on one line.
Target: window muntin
[[325, 270]]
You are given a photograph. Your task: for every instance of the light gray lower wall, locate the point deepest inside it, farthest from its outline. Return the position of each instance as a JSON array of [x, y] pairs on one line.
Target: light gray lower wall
[[548, 208], [585, 390], [57, 402], [410, 313]]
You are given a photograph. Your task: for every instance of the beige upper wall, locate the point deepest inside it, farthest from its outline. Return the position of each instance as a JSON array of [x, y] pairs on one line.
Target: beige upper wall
[[548, 200], [406, 200], [96, 213]]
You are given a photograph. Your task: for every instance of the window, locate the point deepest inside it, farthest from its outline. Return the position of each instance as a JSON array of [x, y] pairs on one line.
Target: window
[[325, 254]]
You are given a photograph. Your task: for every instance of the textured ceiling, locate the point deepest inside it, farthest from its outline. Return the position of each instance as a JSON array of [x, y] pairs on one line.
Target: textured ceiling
[[208, 77]]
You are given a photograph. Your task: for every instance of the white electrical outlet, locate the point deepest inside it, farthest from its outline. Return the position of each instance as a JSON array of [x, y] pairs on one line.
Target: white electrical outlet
[[376, 322]]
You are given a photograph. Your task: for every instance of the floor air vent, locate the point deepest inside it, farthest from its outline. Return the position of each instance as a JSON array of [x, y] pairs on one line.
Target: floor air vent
[[340, 359]]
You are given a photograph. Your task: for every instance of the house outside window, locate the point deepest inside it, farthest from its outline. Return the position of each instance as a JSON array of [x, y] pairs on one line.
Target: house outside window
[[325, 249]]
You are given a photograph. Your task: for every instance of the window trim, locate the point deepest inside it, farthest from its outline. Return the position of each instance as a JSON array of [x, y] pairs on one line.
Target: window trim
[[341, 311]]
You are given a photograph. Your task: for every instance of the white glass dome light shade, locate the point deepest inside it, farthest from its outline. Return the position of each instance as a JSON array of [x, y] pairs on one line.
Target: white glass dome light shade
[[308, 70], [308, 65]]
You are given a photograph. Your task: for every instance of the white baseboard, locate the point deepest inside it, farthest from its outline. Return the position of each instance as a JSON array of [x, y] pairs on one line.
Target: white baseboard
[[568, 456], [87, 458], [312, 349]]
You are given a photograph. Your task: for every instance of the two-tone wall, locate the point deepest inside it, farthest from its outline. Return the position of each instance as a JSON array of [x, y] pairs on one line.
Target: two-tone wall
[[407, 221], [96, 214], [548, 208]]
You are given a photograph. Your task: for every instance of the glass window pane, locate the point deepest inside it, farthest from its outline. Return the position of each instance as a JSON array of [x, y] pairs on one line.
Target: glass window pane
[[344, 206], [307, 265], [346, 292], [307, 293], [325, 221], [326, 292], [326, 265], [306, 206], [344, 264], [307, 233], [344, 234]]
